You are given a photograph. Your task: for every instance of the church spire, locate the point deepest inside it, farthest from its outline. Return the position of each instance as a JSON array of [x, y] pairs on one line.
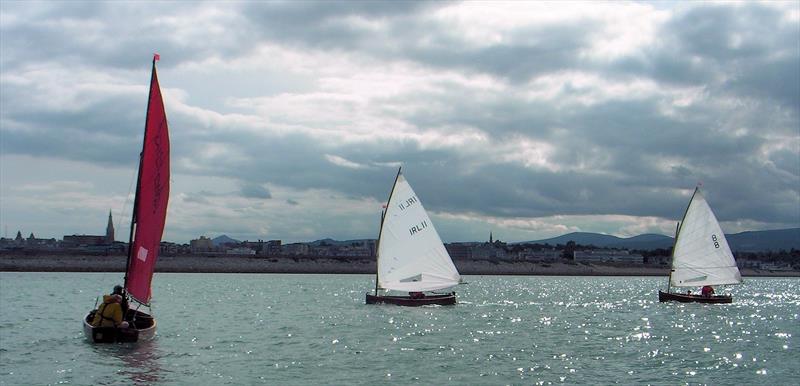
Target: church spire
[[110, 229], [491, 240]]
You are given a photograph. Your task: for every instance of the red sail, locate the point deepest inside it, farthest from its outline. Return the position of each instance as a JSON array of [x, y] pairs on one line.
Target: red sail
[[152, 196]]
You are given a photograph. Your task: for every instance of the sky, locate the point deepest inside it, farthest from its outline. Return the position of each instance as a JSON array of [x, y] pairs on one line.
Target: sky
[[289, 120]]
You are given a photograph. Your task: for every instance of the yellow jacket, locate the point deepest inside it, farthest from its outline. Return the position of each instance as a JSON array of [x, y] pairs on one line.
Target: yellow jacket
[[109, 314]]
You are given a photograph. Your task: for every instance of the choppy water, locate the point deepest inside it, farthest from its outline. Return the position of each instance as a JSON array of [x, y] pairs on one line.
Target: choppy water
[[220, 329]]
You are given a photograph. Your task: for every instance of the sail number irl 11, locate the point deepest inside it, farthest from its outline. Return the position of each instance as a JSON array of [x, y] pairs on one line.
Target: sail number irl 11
[[408, 202], [418, 228]]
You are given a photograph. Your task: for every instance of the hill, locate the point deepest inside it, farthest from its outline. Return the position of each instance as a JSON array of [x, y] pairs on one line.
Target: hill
[[760, 241], [750, 241], [645, 241], [224, 239], [337, 242]]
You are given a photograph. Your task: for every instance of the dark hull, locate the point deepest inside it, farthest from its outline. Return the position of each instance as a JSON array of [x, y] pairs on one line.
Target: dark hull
[[142, 327], [441, 300], [685, 298]]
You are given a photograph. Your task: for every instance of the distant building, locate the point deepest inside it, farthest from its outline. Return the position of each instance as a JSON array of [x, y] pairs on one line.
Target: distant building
[[203, 244], [492, 250], [364, 248], [83, 240], [531, 254], [259, 246], [775, 266], [488, 251], [273, 248], [31, 242], [296, 249], [241, 251], [167, 248], [92, 241], [612, 255], [110, 230], [459, 251]]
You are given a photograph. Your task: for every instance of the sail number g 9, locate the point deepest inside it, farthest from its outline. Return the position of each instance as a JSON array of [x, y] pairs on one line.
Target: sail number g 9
[[716, 242]]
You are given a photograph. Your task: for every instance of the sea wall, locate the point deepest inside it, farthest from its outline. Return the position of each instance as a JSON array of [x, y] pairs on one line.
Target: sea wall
[[251, 264]]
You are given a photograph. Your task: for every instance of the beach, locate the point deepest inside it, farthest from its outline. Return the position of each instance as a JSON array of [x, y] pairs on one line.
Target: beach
[[259, 264]]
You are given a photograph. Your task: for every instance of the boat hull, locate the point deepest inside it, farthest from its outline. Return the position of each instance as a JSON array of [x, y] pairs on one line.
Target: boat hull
[[686, 298], [441, 300], [143, 327]]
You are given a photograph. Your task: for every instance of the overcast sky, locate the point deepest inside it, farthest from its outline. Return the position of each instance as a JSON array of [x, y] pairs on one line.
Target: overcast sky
[[288, 120]]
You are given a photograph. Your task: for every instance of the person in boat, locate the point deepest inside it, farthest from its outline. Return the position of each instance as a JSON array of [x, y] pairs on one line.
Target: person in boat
[[707, 291], [109, 314], [416, 295], [118, 290]]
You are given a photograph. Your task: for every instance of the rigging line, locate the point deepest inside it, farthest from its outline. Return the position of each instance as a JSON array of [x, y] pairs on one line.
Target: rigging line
[[127, 198]]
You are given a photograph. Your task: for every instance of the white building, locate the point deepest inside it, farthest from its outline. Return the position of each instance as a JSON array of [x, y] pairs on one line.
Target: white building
[[241, 251], [612, 255]]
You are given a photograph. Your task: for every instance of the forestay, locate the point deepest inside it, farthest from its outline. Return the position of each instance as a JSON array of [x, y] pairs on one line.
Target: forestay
[[701, 255], [411, 256]]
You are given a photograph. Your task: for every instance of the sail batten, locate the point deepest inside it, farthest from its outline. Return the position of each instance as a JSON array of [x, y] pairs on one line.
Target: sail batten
[[701, 255], [411, 256], [152, 197]]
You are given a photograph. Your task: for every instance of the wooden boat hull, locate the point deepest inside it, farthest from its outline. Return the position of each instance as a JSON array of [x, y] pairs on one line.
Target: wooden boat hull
[[142, 327], [686, 298], [441, 300]]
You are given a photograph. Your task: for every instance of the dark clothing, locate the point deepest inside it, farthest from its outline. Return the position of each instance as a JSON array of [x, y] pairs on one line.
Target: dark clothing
[[118, 290], [707, 291]]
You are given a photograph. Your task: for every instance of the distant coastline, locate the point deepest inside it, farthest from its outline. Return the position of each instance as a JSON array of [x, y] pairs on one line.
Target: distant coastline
[[318, 265]]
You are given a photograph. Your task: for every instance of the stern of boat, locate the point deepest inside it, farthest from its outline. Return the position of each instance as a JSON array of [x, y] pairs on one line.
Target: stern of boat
[[142, 327]]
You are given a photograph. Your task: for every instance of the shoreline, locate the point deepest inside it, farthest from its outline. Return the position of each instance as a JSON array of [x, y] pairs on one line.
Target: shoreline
[[320, 265]]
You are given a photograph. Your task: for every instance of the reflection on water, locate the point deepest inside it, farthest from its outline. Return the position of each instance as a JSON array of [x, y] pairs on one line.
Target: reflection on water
[[316, 329], [140, 361]]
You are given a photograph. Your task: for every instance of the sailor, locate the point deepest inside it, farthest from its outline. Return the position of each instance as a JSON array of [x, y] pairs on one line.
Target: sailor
[[109, 314], [707, 291], [118, 290]]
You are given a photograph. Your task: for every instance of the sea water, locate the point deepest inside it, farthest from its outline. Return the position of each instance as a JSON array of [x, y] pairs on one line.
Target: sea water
[[243, 329]]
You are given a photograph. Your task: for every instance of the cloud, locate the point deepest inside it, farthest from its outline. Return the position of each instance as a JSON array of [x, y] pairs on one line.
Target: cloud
[[339, 161], [255, 191], [532, 118]]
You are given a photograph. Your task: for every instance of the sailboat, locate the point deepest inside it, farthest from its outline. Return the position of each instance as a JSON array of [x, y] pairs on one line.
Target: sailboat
[[411, 256], [701, 255], [147, 226]]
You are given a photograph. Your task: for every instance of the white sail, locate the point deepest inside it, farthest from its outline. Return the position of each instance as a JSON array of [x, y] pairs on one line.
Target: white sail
[[701, 255], [411, 256]]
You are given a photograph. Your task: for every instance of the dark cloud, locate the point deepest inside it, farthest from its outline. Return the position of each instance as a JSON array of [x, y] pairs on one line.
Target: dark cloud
[[308, 24], [251, 190], [100, 34], [608, 152]]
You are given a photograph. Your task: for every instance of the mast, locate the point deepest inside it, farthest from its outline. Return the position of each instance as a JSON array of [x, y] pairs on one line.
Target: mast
[[380, 231], [376, 253], [139, 176], [672, 255], [678, 234]]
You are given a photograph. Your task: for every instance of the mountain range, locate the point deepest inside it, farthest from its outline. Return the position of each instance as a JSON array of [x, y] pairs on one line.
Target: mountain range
[[224, 239], [750, 241]]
